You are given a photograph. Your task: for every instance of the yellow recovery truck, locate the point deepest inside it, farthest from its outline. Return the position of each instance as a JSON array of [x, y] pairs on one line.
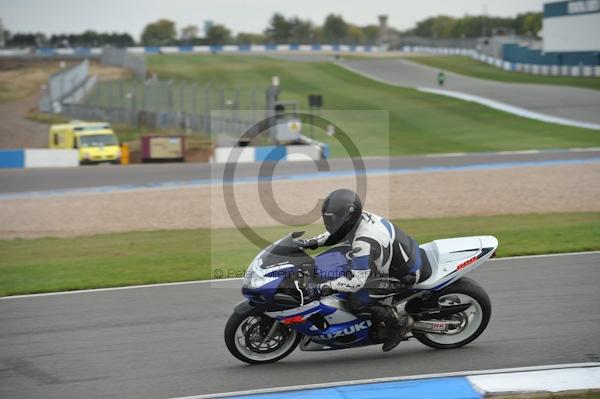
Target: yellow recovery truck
[[95, 141]]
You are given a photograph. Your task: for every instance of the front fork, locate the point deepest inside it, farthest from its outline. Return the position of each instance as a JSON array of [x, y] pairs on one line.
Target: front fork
[[271, 332]]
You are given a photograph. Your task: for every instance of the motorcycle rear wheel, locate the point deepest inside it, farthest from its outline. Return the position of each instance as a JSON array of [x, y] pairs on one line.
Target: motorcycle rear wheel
[[474, 320], [244, 340]]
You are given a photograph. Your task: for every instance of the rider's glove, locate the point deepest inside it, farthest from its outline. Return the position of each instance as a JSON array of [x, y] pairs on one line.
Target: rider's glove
[[318, 290], [310, 244], [325, 289], [312, 291]]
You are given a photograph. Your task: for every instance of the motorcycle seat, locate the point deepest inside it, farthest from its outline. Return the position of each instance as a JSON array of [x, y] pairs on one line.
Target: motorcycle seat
[[425, 266]]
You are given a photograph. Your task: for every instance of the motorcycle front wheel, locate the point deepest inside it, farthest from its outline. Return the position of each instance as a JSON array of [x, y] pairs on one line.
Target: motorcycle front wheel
[[472, 322], [247, 338]]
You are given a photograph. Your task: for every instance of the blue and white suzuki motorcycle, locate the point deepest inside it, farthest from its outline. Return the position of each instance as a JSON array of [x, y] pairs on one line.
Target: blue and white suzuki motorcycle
[[449, 309]]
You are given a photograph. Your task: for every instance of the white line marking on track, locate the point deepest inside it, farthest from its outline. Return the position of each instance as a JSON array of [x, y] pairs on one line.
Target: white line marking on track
[[519, 152], [224, 280], [505, 107], [546, 255], [523, 112], [391, 379], [127, 287], [583, 149], [513, 152], [446, 155]]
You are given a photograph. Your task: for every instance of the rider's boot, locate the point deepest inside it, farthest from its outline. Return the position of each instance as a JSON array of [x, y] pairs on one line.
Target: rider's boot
[[397, 325]]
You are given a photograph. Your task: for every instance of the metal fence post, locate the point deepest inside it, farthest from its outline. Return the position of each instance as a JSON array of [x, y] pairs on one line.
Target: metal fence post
[[207, 100], [182, 97], [169, 96], [194, 97], [73, 86], [62, 88], [50, 97], [207, 116], [236, 102], [133, 104], [254, 106], [106, 94], [144, 87], [109, 86], [121, 94]]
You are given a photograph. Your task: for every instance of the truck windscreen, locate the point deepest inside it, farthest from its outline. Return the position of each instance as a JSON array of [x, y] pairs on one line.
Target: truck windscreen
[[96, 140]]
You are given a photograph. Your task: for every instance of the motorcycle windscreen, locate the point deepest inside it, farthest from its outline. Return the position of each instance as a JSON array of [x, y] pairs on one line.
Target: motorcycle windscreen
[[285, 250]]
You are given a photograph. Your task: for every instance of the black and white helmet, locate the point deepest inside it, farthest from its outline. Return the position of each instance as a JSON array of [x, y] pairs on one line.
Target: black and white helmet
[[341, 213]]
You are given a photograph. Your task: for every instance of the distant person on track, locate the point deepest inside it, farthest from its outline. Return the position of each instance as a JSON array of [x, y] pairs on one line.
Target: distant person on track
[[380, 250], [441, 78]]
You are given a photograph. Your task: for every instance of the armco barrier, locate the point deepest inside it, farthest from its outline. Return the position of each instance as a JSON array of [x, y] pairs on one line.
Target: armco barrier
[[94, 52], [270, 153], [70, 82], [38, 158], [537, 69]]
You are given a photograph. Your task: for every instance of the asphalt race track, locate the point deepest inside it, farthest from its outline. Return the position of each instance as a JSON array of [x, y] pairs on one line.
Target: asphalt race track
[[561, 101], [17, 181], [164, 342]]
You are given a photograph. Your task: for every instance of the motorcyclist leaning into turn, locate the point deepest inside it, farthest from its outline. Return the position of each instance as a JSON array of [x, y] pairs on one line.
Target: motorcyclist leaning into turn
[[379, 250]]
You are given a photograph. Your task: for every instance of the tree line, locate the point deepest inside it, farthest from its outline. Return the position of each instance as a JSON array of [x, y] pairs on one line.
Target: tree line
[[282, 30], [445, 27], [88, 38]]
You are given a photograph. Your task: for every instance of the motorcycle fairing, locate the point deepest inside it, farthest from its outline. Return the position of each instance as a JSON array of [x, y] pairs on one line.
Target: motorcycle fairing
[[452, 258]]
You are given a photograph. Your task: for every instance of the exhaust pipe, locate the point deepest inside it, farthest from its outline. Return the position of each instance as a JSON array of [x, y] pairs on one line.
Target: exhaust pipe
[[438, 327]]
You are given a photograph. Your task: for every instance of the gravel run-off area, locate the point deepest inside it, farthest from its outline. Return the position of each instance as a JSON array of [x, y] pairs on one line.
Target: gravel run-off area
[[540, 189]]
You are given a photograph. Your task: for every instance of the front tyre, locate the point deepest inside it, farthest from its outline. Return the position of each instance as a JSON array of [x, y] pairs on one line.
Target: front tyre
[[473, 321], [245, 337]]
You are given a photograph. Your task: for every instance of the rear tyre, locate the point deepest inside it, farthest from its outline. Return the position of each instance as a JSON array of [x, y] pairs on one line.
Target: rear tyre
[[244, 335], [473, 321]]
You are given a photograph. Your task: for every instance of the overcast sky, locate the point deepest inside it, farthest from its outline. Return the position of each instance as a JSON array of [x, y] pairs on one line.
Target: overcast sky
[[75, 16]]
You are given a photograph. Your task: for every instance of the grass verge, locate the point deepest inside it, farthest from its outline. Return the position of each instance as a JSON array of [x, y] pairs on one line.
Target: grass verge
[[419, 123], [53, 264], [469, 67]]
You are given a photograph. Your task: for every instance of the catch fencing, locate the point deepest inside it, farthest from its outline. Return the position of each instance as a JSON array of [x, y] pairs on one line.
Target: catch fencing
[[169, 104], [154, 103], [121, 58], [67, 86]]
